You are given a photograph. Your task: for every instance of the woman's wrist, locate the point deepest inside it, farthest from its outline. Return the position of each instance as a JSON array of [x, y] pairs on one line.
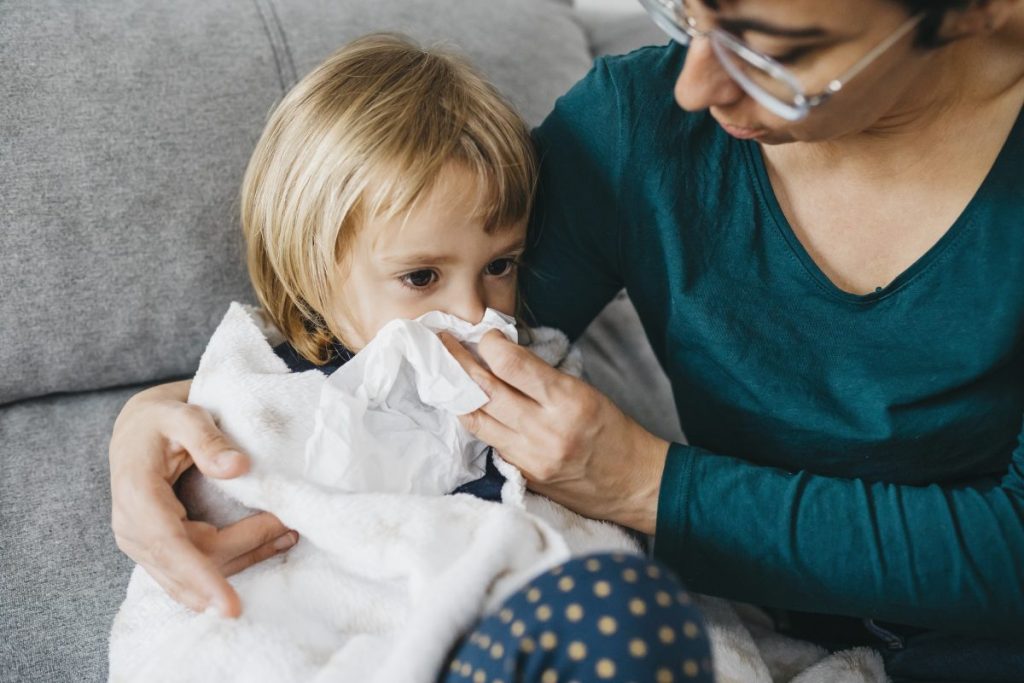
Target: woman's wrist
[[650, 453], [135, 414], [173, 391]]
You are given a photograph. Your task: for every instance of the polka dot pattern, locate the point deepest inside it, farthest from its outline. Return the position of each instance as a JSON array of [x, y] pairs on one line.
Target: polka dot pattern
[[607, 617]]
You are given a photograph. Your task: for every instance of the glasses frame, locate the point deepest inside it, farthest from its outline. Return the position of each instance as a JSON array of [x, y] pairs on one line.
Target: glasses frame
[[667, 14]]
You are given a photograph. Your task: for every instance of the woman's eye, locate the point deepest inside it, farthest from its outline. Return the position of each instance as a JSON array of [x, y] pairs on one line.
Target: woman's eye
[[792, 56], [499, 267], [420, 279]]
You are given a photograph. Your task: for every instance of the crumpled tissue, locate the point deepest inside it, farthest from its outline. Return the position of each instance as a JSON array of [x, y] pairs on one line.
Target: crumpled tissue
[[387, 420]]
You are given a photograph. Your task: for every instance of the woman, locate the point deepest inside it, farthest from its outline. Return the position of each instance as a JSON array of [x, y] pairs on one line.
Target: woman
[[822, 240]]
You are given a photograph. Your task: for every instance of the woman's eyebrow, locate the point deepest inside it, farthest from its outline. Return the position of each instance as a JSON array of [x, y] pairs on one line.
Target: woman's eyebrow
[[738, 26]]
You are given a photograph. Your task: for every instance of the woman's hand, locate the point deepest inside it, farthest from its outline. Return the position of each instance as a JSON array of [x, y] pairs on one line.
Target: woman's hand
[[570, 441], [156, 438]]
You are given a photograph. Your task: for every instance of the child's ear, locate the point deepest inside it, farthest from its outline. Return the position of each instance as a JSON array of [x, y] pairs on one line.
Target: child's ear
[[981, 17]]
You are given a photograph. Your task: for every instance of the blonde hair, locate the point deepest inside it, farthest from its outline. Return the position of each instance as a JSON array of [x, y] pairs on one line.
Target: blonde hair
[[365, 135]]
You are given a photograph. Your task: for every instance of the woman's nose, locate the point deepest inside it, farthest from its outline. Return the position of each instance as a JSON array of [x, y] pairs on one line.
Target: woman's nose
[[703, 83]]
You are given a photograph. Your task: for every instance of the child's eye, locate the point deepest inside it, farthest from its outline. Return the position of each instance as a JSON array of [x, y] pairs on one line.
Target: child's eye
[[499, 267], [419, 279]]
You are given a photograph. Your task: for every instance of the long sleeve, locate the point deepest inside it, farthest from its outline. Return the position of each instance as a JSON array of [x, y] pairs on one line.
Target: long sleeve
[[942, 557], [572, 268]]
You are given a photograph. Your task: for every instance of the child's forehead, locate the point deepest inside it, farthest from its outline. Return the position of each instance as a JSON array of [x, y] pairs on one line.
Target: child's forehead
[[441, 235], [456, 203]]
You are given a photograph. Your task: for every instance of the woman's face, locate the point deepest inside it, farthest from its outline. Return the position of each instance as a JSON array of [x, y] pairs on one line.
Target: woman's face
[[817, 40]]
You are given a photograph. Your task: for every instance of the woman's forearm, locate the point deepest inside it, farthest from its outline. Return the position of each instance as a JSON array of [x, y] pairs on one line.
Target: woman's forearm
[[175, 391], [939, 556]]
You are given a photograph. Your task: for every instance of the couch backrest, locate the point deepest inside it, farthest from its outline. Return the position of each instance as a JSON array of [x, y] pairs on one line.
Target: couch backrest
[[125, 127]]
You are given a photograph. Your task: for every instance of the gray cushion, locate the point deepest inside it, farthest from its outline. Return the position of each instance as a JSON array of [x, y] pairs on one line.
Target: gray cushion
[[125, 126], [62, 577], [616, 33]]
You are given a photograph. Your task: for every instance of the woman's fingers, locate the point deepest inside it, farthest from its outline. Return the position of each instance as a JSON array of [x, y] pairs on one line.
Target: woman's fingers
[[158, 540], [190, 577], [191, 428], [506, 405], [241, 538], [265, 551], [493, 433], [518, 366]]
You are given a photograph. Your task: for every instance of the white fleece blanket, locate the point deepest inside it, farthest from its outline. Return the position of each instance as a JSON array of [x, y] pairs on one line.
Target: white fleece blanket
[[381, 585]]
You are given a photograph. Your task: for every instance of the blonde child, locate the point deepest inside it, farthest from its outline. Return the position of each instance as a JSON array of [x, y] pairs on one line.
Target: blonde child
[[394, 181]]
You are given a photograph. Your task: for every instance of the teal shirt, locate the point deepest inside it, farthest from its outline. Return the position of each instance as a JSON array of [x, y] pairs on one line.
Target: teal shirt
[[854, 455]]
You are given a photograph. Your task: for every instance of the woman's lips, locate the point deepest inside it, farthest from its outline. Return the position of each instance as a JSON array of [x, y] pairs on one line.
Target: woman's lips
[[742, 132]]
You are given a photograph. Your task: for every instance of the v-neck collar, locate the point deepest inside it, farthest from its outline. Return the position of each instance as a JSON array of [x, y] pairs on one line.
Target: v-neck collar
[[1003, 164]]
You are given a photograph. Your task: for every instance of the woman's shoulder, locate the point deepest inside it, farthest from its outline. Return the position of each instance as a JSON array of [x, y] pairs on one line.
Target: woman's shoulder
[[653, 64], [640, 78], [625, 107]]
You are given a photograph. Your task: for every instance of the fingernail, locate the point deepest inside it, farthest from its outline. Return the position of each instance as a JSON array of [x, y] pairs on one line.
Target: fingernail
[[225, 460], [286, 541], [220, 606]]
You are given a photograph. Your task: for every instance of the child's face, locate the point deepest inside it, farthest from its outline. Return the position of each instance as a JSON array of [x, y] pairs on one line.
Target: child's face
[[438, 257]]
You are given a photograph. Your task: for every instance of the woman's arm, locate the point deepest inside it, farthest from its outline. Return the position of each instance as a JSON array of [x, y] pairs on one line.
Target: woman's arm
[[156, 437], [948, 557]]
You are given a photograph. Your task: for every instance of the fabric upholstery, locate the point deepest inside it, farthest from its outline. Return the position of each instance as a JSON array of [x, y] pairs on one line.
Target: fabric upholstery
[[61, 574], [616, 33]]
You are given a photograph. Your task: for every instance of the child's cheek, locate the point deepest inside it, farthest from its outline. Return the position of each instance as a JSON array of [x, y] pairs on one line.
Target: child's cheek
[[506, 300]]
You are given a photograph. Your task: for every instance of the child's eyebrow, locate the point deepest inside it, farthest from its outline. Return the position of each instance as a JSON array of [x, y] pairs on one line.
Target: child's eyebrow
[[518, 245], [426, 258], [419, 258]]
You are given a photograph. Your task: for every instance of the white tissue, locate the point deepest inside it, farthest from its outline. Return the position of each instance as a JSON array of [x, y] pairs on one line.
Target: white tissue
[[387, 418]]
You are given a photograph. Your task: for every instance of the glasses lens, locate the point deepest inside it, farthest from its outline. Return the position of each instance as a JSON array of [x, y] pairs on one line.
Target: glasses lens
[[767, 83]]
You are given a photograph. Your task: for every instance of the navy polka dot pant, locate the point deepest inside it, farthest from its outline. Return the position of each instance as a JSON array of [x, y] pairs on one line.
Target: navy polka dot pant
[[607, 617]]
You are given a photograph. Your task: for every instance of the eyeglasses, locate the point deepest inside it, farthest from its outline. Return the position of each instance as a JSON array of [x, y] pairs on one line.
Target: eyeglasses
[[772, 85]]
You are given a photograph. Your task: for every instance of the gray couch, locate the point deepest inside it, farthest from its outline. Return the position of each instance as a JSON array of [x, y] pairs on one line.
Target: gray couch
[[125, 127]]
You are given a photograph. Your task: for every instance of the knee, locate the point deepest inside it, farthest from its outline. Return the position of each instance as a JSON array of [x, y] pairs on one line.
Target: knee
[[608, 616]]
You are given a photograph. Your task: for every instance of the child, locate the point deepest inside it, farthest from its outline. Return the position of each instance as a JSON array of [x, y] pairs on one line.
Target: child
[[389, 183]]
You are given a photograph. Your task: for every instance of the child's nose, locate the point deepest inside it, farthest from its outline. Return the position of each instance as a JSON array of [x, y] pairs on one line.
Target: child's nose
[[469, 305]]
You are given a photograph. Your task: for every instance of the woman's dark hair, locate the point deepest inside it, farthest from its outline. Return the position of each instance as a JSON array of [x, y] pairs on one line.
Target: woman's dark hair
[[934, 11], [928, 29]]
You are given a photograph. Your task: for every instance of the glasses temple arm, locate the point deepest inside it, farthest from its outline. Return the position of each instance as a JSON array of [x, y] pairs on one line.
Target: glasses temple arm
[[836, 84]]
